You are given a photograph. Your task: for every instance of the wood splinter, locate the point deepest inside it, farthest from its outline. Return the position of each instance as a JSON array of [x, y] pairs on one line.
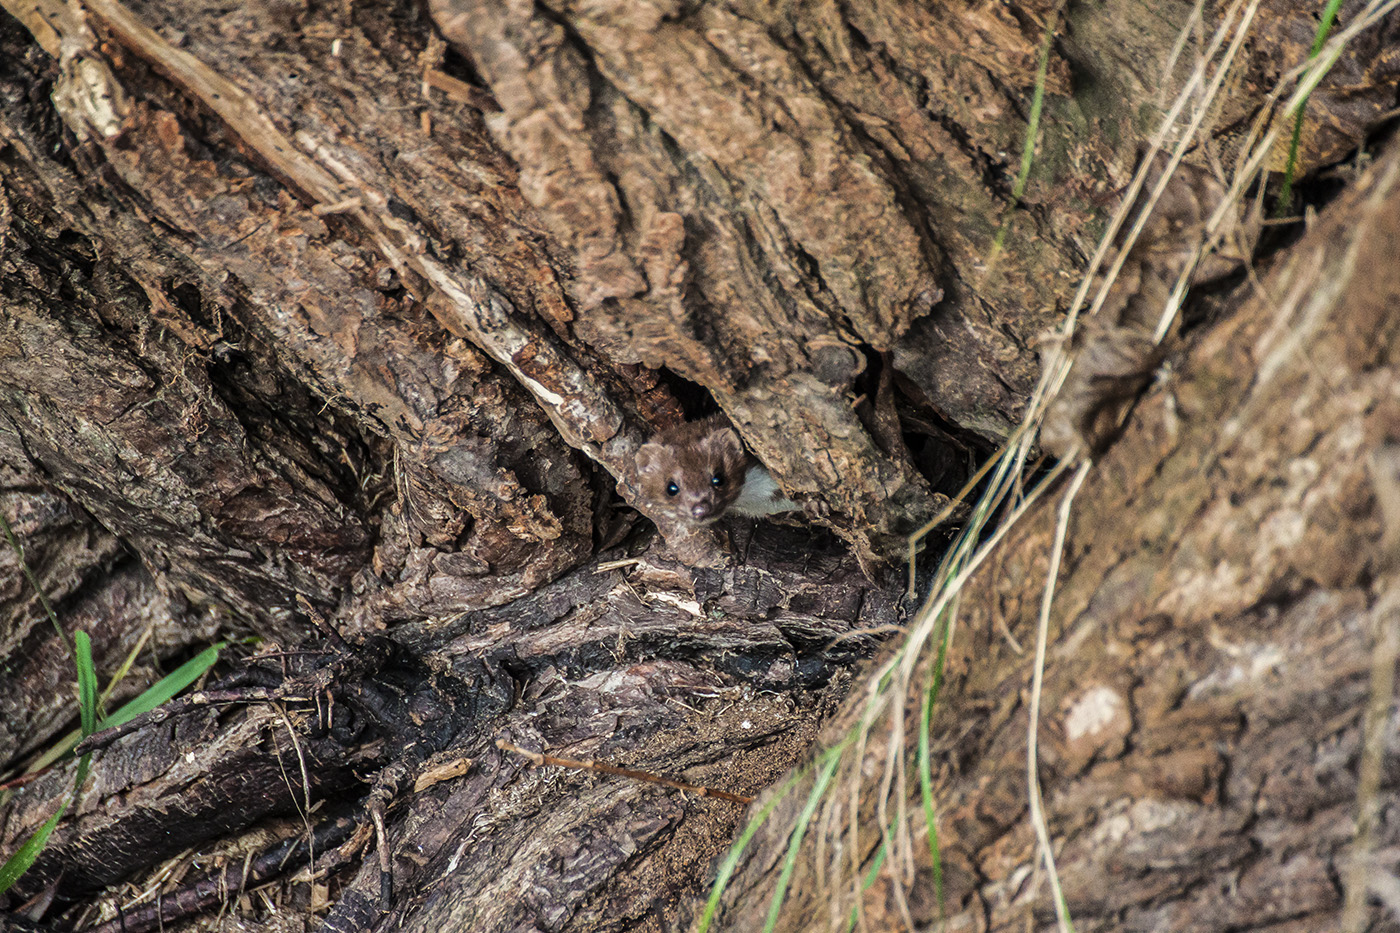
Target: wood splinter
[[540, 759], [338, 207]]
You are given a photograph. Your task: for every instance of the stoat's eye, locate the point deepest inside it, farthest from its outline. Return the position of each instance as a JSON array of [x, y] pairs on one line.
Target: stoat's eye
[[672, 489], [717, 480]]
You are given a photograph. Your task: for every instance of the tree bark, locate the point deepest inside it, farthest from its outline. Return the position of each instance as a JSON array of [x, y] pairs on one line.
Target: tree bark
[[1229, 586], [373, 305]]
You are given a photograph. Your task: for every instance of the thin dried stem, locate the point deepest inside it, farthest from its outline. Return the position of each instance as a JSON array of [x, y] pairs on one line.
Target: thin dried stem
[[1042, 830]]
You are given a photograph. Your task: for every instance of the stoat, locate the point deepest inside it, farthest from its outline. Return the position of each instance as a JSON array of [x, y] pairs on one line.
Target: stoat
[[700, 471]]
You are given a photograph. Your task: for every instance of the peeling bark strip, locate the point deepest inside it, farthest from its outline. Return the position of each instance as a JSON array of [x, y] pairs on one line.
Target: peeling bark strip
[[1209, 670]]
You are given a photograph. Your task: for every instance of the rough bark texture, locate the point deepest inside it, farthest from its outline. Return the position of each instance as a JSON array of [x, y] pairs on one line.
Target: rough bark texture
[[373, 305], [1210, 658]]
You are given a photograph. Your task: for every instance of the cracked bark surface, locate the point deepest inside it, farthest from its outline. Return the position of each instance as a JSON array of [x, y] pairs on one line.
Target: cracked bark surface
[[1210, 660], [372, 305]]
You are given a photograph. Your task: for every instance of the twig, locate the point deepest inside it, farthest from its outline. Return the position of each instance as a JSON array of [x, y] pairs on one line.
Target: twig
[[599, 766], [461, 91], [222, 883]]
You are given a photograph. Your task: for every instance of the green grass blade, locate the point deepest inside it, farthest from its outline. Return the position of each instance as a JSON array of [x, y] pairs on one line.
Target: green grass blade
[[87, 683], [158, 693], [18, 863], [124, 668], [162, 691], [82, 774], [1032, 129], [1285, 194], [830, 760], [731, 860], [87, 701], [166, 688], [29, 575], [1042, 68], [871, 875]]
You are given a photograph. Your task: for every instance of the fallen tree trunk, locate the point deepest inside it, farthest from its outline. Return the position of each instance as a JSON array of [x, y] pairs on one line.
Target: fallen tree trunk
[[373, 305]]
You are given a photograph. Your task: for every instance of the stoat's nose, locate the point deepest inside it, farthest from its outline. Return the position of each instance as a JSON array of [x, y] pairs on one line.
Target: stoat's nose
[[701, 509]]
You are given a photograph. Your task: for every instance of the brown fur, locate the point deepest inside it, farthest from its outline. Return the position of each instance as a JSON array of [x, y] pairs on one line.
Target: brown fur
[[690, 458]]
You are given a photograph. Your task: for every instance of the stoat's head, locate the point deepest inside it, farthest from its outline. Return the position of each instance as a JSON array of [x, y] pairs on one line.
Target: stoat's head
[[693, 476]]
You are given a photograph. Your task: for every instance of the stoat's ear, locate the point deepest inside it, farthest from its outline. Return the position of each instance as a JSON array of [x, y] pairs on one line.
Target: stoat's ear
[[723, 443], [652, 459]]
